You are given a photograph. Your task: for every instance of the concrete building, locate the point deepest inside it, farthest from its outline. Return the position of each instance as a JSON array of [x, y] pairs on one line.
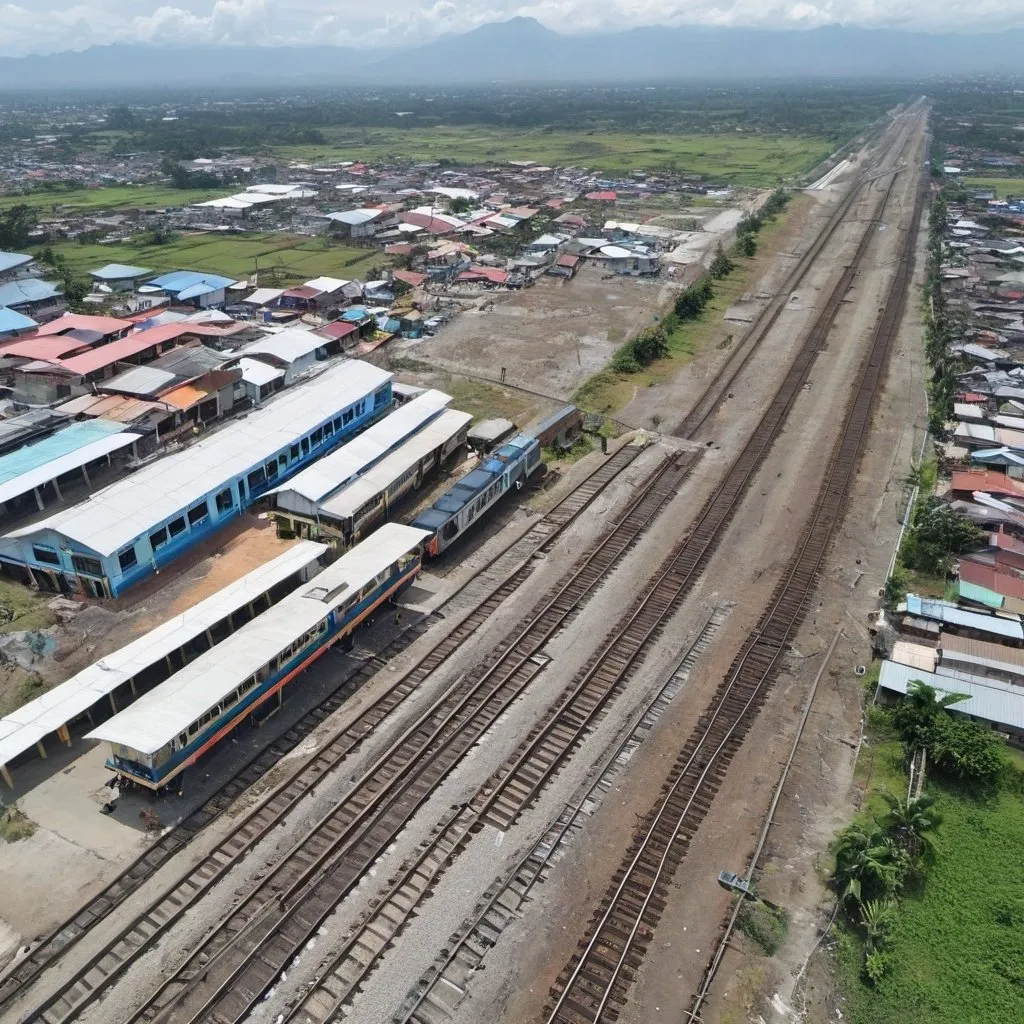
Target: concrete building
[[127, 531]]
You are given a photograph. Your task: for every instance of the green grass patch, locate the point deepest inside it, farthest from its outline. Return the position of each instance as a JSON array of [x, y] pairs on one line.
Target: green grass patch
[[741, 158], [581, 447], [487, 401], [115, 197], [957, 949], [22, 609], [280, 258], [15, 826], [1004, 186]]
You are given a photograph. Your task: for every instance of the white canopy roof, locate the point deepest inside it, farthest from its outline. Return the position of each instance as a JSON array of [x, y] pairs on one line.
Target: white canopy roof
[[23, 728], [326, 475], [165, 712]]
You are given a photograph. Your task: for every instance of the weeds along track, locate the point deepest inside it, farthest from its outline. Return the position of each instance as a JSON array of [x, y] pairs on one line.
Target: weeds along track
[[275, 915], [715, 392], [595, 984], [493, 584]]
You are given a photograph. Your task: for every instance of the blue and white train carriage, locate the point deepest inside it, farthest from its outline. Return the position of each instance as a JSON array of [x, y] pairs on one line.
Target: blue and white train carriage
[[172, 726], [461, 506]]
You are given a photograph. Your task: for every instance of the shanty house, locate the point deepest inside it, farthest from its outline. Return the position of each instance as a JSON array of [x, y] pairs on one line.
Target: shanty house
[[118, 277]]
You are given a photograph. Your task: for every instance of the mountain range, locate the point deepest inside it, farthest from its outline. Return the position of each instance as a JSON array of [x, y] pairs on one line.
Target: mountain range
[[522, 51]]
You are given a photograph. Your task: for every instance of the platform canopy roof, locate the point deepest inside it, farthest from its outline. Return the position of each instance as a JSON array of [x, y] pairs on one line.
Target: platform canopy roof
[[32, 722]]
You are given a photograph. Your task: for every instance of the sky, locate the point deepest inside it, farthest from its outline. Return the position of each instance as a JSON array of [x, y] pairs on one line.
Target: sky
[[50, 26]]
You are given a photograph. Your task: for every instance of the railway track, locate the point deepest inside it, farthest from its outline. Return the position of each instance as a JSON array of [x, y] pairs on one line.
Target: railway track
[[261, 960], [235, 967], [497, 580], [595, 984], [346, 841], [442, 988], [715, 393]]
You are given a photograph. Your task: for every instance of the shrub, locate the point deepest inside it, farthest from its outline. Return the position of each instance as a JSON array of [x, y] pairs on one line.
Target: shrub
[[765, 926]]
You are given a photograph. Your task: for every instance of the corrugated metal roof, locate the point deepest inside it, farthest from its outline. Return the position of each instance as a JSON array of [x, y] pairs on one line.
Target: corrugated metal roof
[[989, 699], [107, 355], [16, 293], [23, 728], [42, 348], [184, 397], [64, 442], [116, 515], [160, 715], [965, 650], [914, 655], [943, 611], [79, 321], [118, 272], [258, 373], [140, 380], [12, 320], [354, 495], [102, 446], [10, 260], [288, 346], [325, 476]]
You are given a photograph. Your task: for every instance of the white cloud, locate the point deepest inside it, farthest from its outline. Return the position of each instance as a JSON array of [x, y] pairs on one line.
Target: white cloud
[[53, 25]]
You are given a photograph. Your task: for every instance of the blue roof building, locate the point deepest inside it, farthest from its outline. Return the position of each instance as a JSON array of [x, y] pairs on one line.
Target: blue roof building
[[13, 323], [118, 277], [201, 290], [129, 530], [30, 296], [13, 264]]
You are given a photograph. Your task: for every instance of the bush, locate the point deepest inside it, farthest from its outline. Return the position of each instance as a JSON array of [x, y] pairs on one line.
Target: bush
[[746, 245], [763, 925], [641, 351], [937, 533]]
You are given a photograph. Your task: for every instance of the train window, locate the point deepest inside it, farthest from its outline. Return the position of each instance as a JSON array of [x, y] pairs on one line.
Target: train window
[[380, 398], [348, 416], [305, 445], [127, 558], [198, 512], [337, 423], [404, 560], [272, 469], [328, 429], [293, 452], [263, 674], [158, 538], [322, 628], [256, 477], [182, 739], [282, 460], [225, 500], [44, 554], [382, 576], [193, 729], [176, 526], [361, 407], [317, 436]]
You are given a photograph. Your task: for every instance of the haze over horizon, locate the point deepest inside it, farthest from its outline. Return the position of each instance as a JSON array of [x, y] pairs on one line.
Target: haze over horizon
[[54, 26]]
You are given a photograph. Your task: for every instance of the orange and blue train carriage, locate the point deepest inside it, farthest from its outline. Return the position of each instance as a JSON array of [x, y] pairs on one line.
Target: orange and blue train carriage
[[168, 729]]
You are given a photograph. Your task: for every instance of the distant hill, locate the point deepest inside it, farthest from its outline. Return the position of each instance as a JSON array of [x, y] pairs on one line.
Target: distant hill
[[521, 51]]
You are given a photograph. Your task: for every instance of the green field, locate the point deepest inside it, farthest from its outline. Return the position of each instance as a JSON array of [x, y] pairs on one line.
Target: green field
[[116, 197], [740, 158], [958, 944], [283, 259], [1004, 186]]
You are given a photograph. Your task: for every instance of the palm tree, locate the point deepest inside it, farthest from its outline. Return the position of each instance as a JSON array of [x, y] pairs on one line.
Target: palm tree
[[866, 861], [916, 717], [877, 917], [909, 822]]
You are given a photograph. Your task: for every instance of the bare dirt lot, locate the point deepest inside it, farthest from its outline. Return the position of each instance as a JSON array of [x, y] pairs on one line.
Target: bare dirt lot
[[549, 337]]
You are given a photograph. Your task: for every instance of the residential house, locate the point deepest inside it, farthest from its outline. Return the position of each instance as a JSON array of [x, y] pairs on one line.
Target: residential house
[[40, 300], [118, 277], [190, 287]]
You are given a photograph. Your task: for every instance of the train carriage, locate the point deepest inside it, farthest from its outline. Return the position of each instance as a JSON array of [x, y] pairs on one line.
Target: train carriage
[[172, 726], [461, 506]]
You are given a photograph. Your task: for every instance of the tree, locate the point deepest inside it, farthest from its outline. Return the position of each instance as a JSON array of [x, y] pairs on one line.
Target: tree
[[721, 265], [460, 205], [16, 224], [746, 245], [868, 864], [908, 823], [916, 718], [877, 918], [938, 533]]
